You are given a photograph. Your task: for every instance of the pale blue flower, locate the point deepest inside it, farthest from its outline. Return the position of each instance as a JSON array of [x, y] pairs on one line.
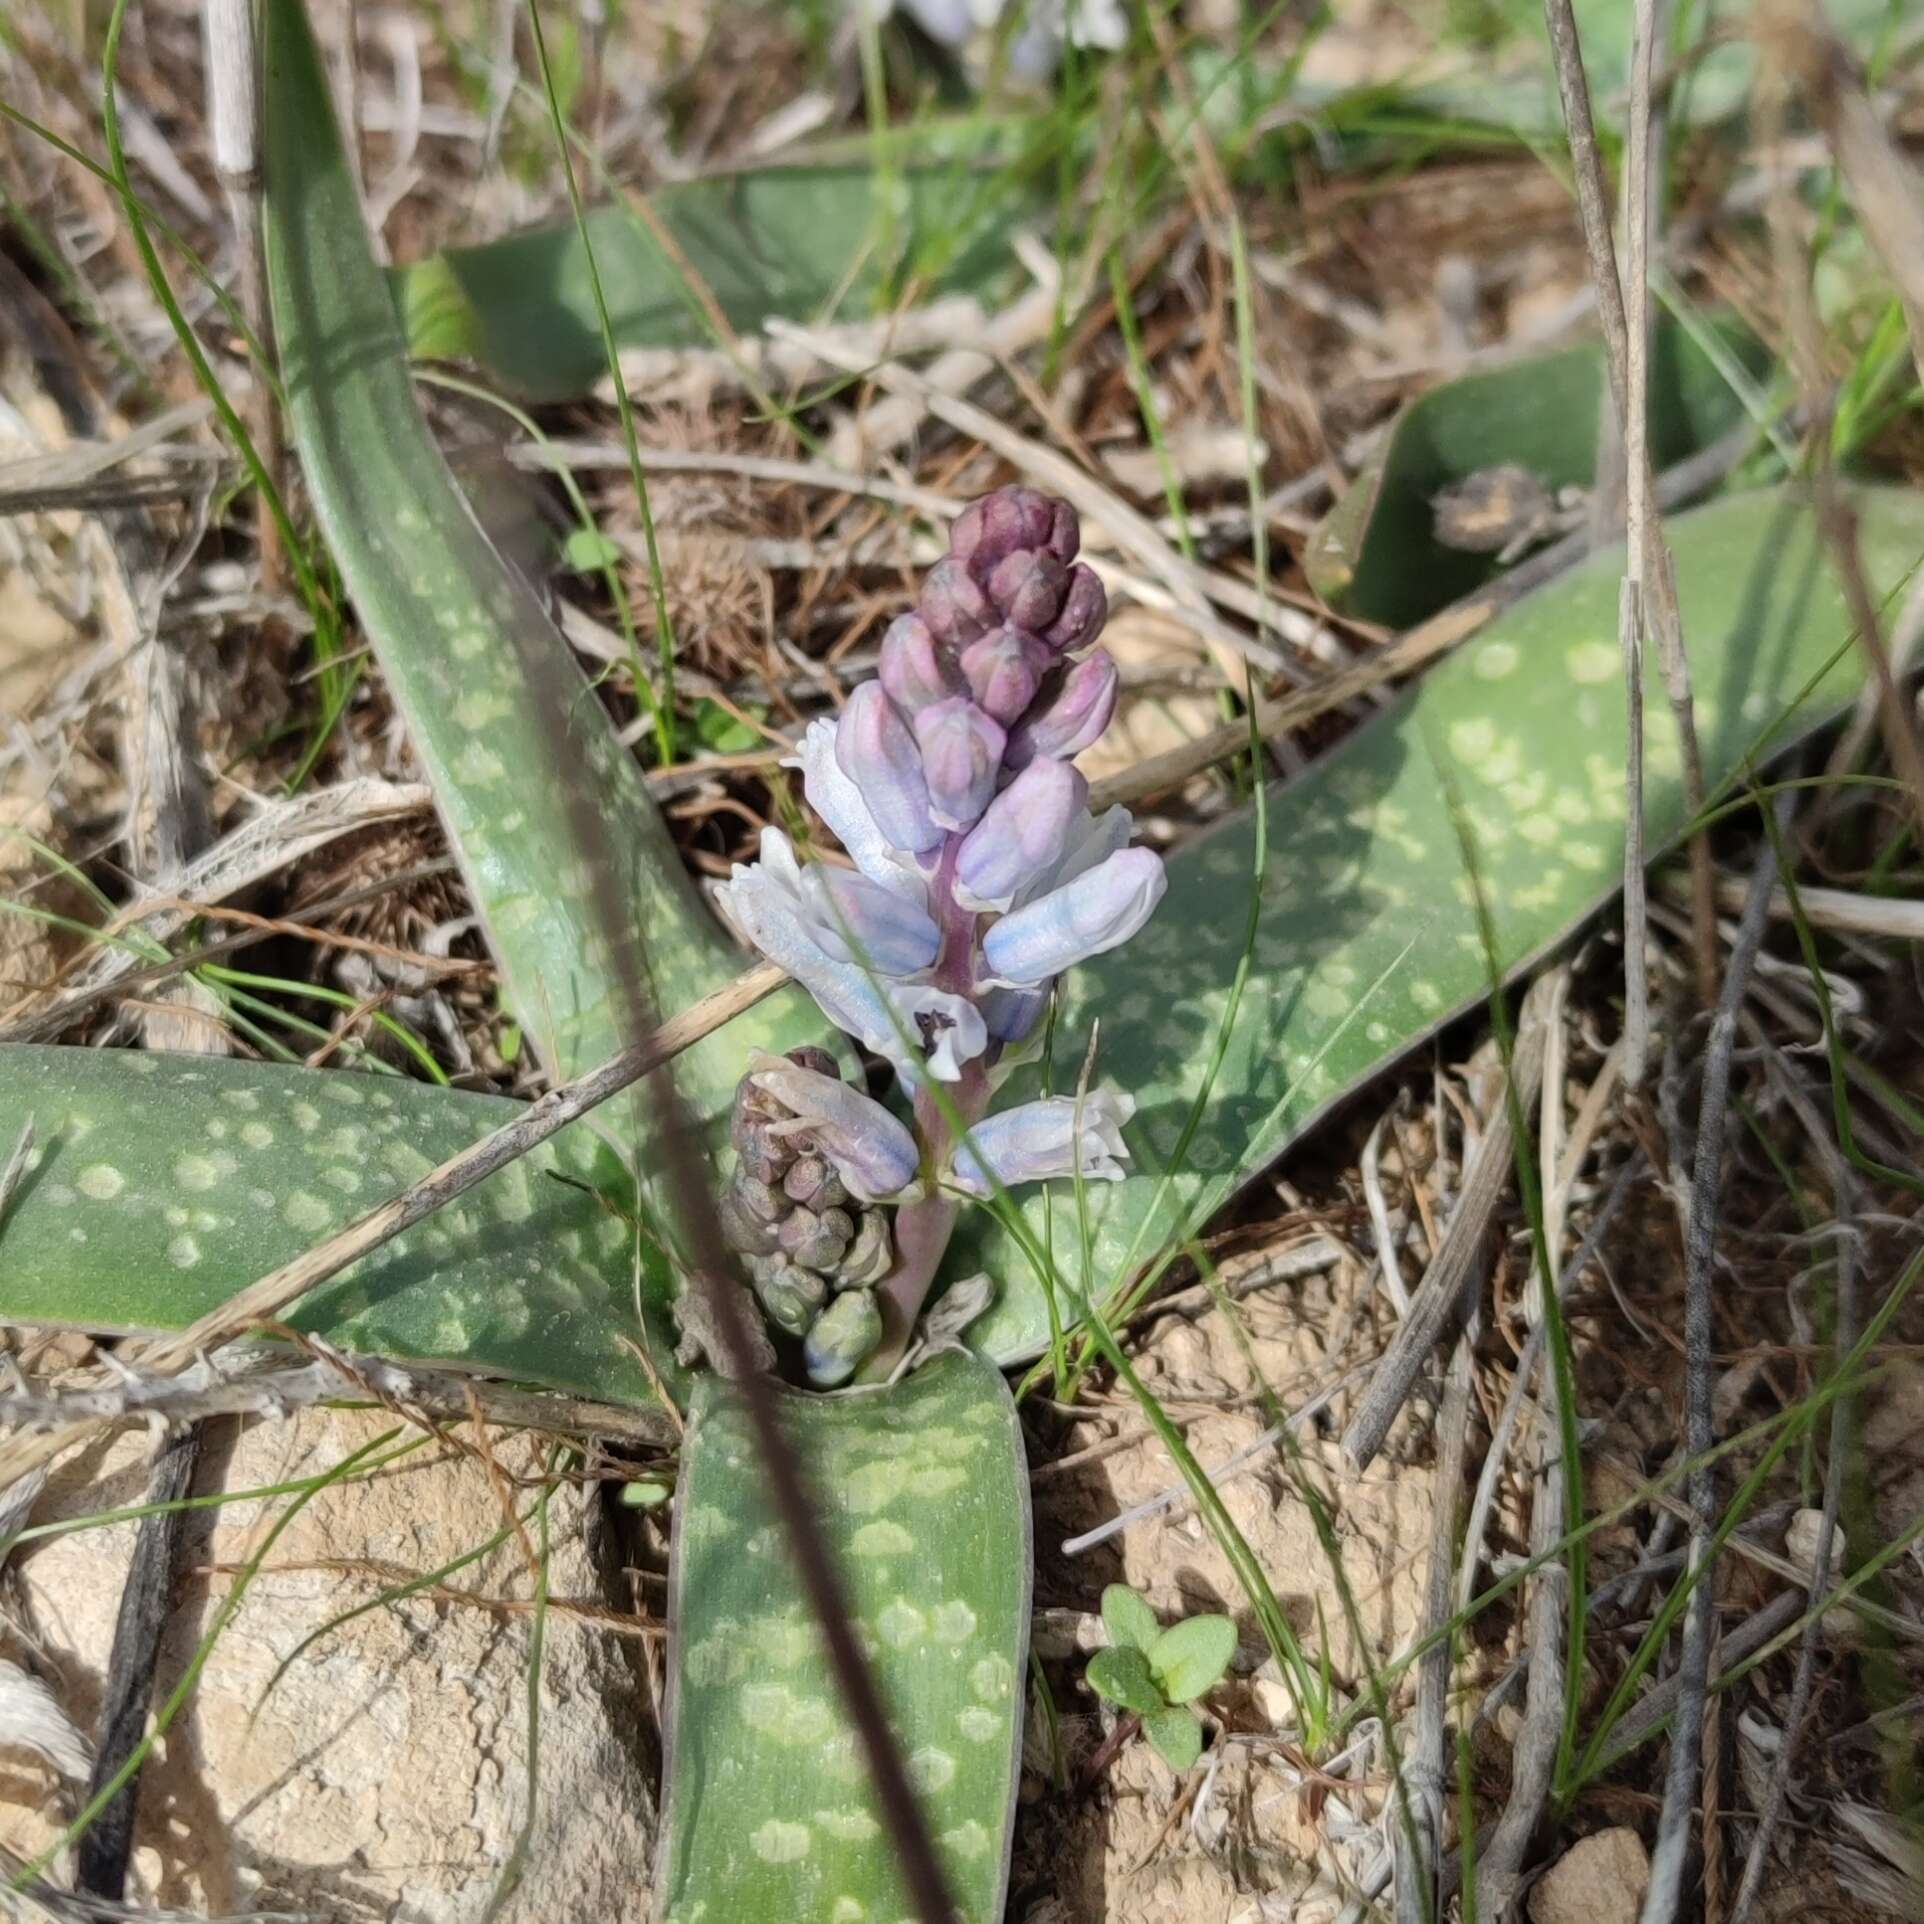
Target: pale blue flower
[[1100, 908], [1039, 1141]]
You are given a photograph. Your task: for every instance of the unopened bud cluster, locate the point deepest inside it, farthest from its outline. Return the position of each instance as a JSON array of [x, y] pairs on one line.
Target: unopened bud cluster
[[979, 875]]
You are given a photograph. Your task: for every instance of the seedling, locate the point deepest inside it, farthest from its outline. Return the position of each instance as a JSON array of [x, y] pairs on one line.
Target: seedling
[[1157, 1674]]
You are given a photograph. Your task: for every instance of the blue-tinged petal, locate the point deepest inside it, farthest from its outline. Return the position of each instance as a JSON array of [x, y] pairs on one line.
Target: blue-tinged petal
[[875, 748], [1100, 908], [961, 757], [856, 920], [1023, 836], [839, 803], [1038, 1141], [873, 1151]]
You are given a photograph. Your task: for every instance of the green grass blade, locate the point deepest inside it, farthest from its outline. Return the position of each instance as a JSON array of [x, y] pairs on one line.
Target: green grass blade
[[924, 1492], [1367, 871], [480, 672], [161, 1185]]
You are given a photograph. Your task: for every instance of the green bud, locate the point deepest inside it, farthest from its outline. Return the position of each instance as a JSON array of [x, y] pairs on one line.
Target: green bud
[[842, 1338]]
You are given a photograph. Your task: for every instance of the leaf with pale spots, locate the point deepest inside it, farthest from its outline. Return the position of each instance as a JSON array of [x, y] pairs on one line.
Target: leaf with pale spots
[[1367, 940], [769, 1817], [492, 697]]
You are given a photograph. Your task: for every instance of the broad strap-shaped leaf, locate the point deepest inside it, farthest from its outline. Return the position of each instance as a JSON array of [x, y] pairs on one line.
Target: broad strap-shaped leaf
[[161, 1185], [1375, 554], [924, 1491], [788, 241], [1368, 938], [546, 809]]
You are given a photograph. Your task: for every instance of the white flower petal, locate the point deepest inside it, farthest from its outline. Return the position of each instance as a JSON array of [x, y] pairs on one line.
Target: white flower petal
[[1037, 1142]]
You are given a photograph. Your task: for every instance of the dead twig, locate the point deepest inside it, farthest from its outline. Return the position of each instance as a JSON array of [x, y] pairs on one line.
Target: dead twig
[[1438, 1298], [1650, 589], [1700, 1247]]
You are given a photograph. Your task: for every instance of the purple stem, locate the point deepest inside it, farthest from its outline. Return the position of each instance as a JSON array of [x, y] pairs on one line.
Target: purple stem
[[923, 1229]]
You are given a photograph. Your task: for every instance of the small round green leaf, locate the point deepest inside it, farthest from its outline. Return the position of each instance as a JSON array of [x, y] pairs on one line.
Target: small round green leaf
[[1121, 1675], [1129, 1619], [1176, 1733], [1190, 1657]]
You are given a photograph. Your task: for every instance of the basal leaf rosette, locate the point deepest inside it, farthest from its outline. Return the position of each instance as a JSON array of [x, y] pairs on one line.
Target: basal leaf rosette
[[976, 873]]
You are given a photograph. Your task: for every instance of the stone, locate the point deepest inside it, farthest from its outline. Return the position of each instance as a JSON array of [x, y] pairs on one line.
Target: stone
[[1600, 1879], [385, 1776]]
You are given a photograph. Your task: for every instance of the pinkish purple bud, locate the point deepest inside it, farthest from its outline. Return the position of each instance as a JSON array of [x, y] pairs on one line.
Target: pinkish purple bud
[[1004, 668], [1078, 713], [1084, 609], [953, 605], [1028, 588], [961, 757], [1099, 909], [1011, 518], [912, 669], [875, 749], [1022, 835]]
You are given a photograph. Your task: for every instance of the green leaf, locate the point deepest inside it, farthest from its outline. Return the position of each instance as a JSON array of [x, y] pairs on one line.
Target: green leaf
[[1120, 1675], [1129, 1619], [792, 241], [1177, 1735], [769, 1816], [492, 698], [1367, 942], [588, 550], [1190, 1657], [160, 1185], [726, 734], [1376, 555]]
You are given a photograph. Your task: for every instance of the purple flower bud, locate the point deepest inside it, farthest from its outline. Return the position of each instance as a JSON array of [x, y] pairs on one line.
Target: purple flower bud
[[1085, 607], [1039, 1141], [875, 749], [1079, 712], [1012, 518], [873, 1152], [813, 1182], [1096, 911], [863, 922], [953, 605], [912, 669], [816, 1239], [1023, 834], [1028, 587], [1004, 669], [961, 754]]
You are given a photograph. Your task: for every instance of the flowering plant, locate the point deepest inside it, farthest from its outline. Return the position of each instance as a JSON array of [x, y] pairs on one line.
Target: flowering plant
[[979, 875]]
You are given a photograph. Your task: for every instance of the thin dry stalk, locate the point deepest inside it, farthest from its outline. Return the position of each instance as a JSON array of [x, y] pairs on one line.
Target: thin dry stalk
[[233, 127], [1667, 1861], [1438, 1298], [1650, 592], [1843, 1413], [1425, 1773]]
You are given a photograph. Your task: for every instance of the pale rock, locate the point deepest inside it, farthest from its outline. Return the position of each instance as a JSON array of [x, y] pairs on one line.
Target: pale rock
[[1599, 1880], [386, 1775], [1800, 1546]]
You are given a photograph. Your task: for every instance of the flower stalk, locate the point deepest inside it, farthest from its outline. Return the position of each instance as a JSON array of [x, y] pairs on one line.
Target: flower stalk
[[979, 876]]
